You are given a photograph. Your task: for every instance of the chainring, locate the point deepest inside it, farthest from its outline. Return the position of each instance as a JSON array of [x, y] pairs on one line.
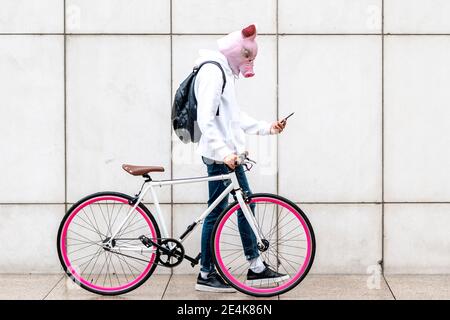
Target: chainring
[[176, 255]]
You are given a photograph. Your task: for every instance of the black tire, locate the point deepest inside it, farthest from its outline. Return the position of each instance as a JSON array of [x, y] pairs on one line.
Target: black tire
[[115, 194], [303, 216]]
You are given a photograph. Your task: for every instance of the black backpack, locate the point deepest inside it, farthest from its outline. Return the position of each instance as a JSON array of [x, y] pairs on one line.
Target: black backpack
[[184, 108]]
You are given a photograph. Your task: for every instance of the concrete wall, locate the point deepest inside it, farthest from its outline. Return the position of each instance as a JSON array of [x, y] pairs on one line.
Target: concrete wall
[[366, 154]]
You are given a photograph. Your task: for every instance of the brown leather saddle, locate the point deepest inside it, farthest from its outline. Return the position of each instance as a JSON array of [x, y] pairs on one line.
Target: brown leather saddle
[[141, 170]]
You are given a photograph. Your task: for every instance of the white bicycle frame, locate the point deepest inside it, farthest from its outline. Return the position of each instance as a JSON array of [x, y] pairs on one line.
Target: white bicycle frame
[[234, 185]]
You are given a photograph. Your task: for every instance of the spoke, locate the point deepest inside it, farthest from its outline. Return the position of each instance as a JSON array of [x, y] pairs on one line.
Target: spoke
[[269, 250], [234, 260], [264, 214], [288, 223], [128, 265], [80, 241], [121, 266], [79, 244], [145, 226], [135, 258], [229, 234], [277, 225], [109, 216], [240, 266], [89, 229], [117, 215], [103, 215], [97, 254], [294, 229], [114, 268], [241, 233], [227, 226], [292, 239], [82, 236], [99, 274], [230, 254], [279, 243], [287, 272], [290, 254], [89, 245], [271, 222], [279, 261], [108, 255], [287, 260], [231, 244], [90, 223], [112, 215], [95, 219], [89, 255], [272, 230], [93, 266], [231, 220], [285, 245], [127, 224]]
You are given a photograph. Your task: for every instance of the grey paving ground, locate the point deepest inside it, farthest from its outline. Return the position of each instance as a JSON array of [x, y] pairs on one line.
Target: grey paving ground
[[182, 287]]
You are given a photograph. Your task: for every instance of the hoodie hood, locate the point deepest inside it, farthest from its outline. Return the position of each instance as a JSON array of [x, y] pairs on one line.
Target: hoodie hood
[[214, 55]]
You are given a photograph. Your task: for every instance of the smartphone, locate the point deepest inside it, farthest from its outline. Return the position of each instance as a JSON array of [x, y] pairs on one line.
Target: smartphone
[[285, 119]]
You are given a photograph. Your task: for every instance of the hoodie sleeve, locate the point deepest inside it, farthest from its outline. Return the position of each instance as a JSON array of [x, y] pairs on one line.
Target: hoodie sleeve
[[253, 126], [209, 80]]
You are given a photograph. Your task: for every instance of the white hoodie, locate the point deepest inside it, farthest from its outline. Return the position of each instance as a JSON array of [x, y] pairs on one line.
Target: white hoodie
[[224, 134]]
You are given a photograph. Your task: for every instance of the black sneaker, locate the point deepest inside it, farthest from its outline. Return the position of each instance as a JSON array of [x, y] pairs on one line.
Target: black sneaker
[[266, 278], [214, 283]]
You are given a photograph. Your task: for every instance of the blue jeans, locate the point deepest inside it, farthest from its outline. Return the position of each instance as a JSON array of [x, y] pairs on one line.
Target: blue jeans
[[248, 239]]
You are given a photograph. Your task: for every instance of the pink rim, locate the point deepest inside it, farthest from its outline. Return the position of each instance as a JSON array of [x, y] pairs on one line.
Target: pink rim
[[241, 285], [66, 259]]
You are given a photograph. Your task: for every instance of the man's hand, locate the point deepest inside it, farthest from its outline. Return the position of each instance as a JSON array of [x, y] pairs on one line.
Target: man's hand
[[230, 160], [277, 127]]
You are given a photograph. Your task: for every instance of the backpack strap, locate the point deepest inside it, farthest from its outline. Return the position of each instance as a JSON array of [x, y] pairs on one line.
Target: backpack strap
[[196, 69]]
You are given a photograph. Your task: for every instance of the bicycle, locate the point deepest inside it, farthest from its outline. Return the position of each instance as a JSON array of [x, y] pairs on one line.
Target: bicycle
[[109, 250]]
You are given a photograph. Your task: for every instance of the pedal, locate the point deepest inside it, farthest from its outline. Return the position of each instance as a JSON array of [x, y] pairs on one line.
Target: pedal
[[197, 259]]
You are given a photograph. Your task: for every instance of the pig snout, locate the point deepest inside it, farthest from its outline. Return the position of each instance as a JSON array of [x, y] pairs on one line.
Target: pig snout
[[247, 70]]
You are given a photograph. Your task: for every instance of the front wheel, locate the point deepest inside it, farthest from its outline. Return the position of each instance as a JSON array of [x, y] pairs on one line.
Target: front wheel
[[289, 245]]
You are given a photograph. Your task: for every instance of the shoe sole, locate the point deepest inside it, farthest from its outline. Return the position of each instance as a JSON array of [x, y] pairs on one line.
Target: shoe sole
[[263, 282], [201, 287]]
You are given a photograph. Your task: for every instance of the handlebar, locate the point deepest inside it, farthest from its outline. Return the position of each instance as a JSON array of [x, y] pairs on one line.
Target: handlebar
[[241, 158], [244, 160]]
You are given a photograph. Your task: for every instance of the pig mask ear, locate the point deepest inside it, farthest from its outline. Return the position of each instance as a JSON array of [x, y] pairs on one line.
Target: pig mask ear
[[249, 32]]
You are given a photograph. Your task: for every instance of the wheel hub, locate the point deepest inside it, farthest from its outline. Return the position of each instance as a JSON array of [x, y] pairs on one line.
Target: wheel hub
[[106, 244], [264, 245]]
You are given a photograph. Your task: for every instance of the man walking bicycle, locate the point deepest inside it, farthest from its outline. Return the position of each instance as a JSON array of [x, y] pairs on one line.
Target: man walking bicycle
[[223, 127]]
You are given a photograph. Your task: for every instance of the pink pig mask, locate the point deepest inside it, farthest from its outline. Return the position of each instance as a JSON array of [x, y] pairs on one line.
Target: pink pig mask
[[240, 49]]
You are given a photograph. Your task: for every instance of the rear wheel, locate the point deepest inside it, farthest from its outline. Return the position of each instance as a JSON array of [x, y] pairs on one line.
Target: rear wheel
[[85, 230], [289, 245]]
